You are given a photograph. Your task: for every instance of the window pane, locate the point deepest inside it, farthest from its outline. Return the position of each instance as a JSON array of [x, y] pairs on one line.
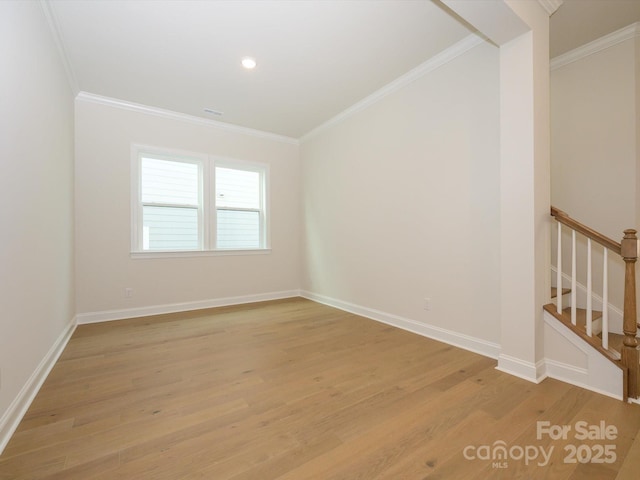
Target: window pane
[[169, 228], [238, 229], [237, 188], [164, 181]]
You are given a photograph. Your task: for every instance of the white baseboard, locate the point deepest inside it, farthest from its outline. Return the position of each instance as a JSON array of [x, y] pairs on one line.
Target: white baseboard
[[12, 417], [466, 342], [532, 372], [109, 315]]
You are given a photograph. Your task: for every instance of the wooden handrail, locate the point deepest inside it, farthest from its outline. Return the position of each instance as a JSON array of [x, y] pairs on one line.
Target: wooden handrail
[[597, 237]]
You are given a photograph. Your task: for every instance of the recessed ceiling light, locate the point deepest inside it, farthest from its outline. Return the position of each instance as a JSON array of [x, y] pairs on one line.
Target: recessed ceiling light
[[249, 63]]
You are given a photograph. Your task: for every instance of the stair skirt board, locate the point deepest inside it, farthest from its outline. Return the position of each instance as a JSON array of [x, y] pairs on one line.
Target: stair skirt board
[[598, 374], [615, 314]]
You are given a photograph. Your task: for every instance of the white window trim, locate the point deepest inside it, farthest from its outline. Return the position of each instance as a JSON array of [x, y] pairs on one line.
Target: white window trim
[[207, 209], [198, 253]]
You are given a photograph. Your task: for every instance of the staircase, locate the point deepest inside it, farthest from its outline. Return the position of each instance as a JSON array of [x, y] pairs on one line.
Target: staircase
[[580, 328], [593, 325]]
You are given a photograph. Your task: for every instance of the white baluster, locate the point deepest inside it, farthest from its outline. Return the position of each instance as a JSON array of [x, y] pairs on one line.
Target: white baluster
[[574, 312], [559, 272], [589, 318], [605, 301]]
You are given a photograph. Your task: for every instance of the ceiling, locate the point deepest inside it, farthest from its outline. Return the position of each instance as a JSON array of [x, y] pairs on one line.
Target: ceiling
[[315, 58], [577, 22]]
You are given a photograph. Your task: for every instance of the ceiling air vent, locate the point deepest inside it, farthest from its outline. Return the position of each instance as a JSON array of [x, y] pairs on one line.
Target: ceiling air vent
[[211, 111]]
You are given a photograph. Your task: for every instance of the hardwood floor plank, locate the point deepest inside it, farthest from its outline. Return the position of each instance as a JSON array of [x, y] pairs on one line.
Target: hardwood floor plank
[[290, 390], [385, 438]]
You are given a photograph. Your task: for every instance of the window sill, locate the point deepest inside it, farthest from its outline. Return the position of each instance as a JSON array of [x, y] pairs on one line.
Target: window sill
[[199, 253]]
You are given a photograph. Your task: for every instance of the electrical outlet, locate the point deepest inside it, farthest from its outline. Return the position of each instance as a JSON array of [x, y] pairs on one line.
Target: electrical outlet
[[427, 304], [128, 292]]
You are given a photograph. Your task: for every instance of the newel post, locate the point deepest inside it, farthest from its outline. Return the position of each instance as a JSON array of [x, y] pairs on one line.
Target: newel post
[[630, 357]]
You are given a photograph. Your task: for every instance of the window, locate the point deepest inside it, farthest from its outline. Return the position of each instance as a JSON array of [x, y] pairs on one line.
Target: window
[[171, 205], [238, 208], [190, 202]]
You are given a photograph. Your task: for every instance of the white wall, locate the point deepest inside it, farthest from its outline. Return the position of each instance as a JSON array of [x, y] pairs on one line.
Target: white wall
[[401, 201], [36, 199], [594, 155], [593, 140], [104, 135]]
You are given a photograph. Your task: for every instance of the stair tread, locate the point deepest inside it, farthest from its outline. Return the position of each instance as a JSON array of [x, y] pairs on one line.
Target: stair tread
[[554, 291], [615, 341], [595, 340], [581, 315], [581, 320]]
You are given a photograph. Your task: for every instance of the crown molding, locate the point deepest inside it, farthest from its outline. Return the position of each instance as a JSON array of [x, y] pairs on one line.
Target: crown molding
[[550, 5], [433, 63], [54, 27], [183, 117], [596, 46]]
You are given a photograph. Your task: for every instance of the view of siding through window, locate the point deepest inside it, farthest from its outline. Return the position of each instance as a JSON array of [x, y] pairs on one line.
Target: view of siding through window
[[170, 198], [238, 204]]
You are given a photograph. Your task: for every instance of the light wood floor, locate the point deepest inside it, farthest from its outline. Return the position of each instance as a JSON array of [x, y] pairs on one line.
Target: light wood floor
[[291, 390]]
